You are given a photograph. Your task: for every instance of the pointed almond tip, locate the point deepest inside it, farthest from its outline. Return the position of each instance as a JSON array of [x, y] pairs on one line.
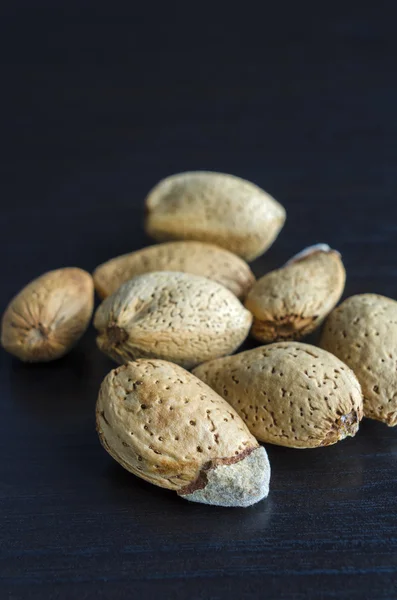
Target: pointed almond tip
[[237, 484], [346, 426], [310, 250]]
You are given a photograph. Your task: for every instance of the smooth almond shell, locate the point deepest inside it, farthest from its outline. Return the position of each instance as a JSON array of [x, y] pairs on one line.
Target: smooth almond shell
[[217, 208], [291, 302], [179, 317], [289, 393], [197, 258], [362, 332], [167, 427], [46, 319]]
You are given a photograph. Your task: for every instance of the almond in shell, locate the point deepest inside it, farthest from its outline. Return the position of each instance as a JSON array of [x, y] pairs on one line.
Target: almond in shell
[[46, 319], [217, 208], [362, 332], [197, 258], [167, 427], [289, 393], [291, 302], [180, 317]]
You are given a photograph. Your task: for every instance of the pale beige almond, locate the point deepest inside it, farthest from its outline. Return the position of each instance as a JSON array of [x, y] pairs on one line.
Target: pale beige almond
[[167, 427], [46, 319], [179, 317], [362, 332], [216, 208], [197, 258], [291, 302], [289, 393]]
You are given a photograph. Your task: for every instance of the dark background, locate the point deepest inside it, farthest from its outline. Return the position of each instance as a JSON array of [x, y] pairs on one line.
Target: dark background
[[97, 106]]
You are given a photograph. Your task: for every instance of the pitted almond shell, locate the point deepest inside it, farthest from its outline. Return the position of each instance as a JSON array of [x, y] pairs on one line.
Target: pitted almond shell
[[197, 258], [362, 332], [216, 208], [180, 317], [167, 427], [291, 302], [289, 393], [48, 316]]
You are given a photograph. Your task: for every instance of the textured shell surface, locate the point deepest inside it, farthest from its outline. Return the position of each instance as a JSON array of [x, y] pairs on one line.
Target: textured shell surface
[[180, 317], [49, 315], [362, 332], [217, 208], [167, 427], [291, 302], [197, 258], [289, 393]]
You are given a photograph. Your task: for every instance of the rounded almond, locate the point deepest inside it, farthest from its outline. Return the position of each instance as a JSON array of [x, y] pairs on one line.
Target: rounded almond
[[196, 258], [291, 302], [179, 317], [289, 393], [362, 332], [216, 208], [46, 319], [167, 427]]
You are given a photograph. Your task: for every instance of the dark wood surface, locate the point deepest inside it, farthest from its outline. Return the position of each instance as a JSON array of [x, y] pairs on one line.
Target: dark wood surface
[[97, 107]]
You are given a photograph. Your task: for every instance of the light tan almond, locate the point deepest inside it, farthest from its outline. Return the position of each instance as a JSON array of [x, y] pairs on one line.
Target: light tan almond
[[179, 317], [362, 332], [291, 302], [216, 208], [197, 258], [289, 393], [46, 319], [167, 427]]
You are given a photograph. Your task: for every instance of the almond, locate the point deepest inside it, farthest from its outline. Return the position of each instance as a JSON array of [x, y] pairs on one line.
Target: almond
[[167, 427], [362, 332], [289, 393], [197, 258], [216, 208], [293, 301], [46, 319], [184, 318]]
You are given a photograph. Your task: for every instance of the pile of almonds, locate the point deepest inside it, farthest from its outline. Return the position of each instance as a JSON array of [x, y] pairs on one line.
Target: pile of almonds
[[187, 304]]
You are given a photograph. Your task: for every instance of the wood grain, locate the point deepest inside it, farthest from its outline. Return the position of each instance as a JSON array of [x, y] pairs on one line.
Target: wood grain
[[96, 109]]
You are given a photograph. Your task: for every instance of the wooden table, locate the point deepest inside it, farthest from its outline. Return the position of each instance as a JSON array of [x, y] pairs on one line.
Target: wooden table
[[96, 109]]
